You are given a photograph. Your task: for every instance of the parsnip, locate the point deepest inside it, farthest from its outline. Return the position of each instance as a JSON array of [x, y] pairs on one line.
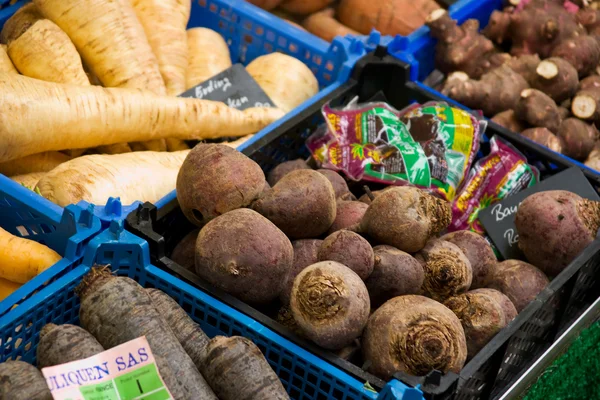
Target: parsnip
[[165, 23], [118, 148], [7, 288], [176, 145], [285, 79], [145, 176], [22, 259], [48, 116], [208, 55], [21, 20], [41, 162], [28, 180], [6, 65]]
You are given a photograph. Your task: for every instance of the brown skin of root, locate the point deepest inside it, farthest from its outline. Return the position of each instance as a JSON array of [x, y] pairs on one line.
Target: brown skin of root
[[60, 344], [538, 109], [415, 335], [578, 138], [564, 113], [590, 19], [244, 254], [582, 52], [350, 249], [19, 23], [284, 168], [22, 381], [525, 65], [521, 282], [348, 214], [340, 187], [330, 304], [554, 227], [302, 204], [324, 25], [498, 25], [561, 87], [508, 308], [479, 253], [184, 252], [306, 252], [285, 318], [365, 198], [544, 137], [508, 120], [592, 81]]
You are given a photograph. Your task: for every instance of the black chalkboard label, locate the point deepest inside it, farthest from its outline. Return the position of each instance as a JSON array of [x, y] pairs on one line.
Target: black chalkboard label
[[234, 87], [499, 218]]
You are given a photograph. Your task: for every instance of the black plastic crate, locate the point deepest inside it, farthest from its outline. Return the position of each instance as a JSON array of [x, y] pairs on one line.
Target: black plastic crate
[[509, 354]]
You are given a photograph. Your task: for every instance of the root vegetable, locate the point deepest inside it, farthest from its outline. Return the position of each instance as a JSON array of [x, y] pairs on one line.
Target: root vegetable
[[50, 116], [395, 273], [366, 198], [93, 178], [586, 104], [508, 308], [564, 113], [284, 168], [6, 65], [266, 4], [481, 316], [578, 138], [184, 253], [554, 227], [498, 26], [286, 80], [232, 181], [306, 252], [590, 19], [29, 180], [208, 55], [519, 281], [397, 17], [508, 120], [557, 78], [165, 23], [350, 249], [304, 7], [413, 334], [60, 344], [22, 381], [324, 25], [582, 52], [21, 20], [544, 137], [176, 144], [117, 309], [40, 162], [479, 253], [330, 304], [591, 82], [302, 204], [537, 109], [525, 65], [348, 214], [237, 370], [405, 218], [447, 270], [7, 288], [118, 148], [191, 337], [244, 254], [285, 318], [340, 187]]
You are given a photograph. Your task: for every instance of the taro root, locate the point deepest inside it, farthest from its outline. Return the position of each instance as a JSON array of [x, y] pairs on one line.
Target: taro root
[[395, 273], [481, 315], [330, 304], [448, 271], [348, 214], [405, 217], [215, 179], [302, 204], [350, 249], [340, 187], [306, 252], [521, 282], [479, 253], [184, 253], [415, 335], [244, 254], [554, 227], [284, 168]]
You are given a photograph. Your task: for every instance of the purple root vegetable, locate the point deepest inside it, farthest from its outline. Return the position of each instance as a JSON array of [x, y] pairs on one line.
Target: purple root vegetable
[[413, 334], [244, 254], [284, 168], [285, 318], [340, 187], [405, 217], [554, 227], [510, 312], [22, 381], [117, 309], [306, 252], [60, 344], [302, 204], [330, 304], [395, 273], [448, 271], [184, 253], [479, 253], [481, 316], [519, 281], [348, 214], [191, 337], [215, 179], [350, 249], [237, 370]]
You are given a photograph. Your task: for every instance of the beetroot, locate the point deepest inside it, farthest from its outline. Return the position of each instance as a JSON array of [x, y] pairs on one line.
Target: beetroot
[[348, 214], [479, 253], [519, 281], [350, 249], [284, 168], [184, 253], [306, 252], [340, 187]]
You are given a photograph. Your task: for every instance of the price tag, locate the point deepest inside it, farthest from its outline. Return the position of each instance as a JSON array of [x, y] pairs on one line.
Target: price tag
[[125, 372], [234, 87]]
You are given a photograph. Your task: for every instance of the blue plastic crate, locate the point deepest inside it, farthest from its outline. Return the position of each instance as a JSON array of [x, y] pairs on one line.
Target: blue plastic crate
[[304, 375], [65, 231]]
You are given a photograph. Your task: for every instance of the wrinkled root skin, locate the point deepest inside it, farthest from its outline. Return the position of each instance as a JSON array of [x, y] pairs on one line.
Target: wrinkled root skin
[[479, 253], [60, 344], [554, 227], [306, 252], [521, 282], [330, 304], [413, 334], [525, 65], [508, 308], [22, 381], [350, 249]]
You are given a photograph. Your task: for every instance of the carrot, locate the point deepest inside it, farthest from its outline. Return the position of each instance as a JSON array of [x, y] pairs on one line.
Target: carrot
[[6, 65], [60, 344], [22, 381], [237, 370], [7, 288], [208, 55], [49, 116], [190, 335], [22, 259], [117, 309], [324, 25], [29, 180], [41, 162]]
